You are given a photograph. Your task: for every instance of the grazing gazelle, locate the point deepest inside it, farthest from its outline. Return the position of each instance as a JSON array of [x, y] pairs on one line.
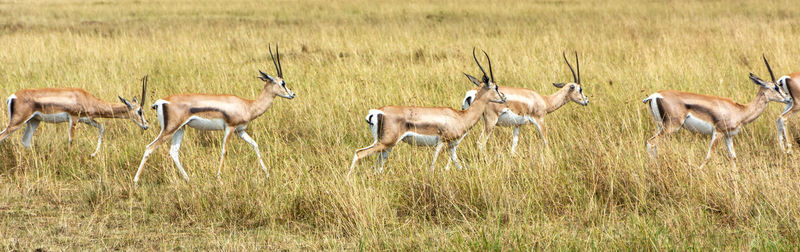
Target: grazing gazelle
[[214, 112], [428, 126], [72, 105], [710, 115], [525, 106]]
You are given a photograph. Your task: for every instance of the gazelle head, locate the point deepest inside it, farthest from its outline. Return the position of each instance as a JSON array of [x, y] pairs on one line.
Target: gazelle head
[[276, 85], [771, 90], [487, 86], [575, 92], [135, 107]]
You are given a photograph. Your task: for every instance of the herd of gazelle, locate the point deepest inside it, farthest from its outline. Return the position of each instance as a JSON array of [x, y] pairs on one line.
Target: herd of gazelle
[[419, 126]]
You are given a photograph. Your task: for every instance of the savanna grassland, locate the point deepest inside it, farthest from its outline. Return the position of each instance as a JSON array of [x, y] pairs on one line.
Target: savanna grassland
[[595, 188]]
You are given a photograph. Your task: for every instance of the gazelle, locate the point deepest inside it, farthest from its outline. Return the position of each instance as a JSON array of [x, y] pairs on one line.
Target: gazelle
[[791, 85], [72, 105], [710, 115], [214, 112], [525, 106], [428, 126]]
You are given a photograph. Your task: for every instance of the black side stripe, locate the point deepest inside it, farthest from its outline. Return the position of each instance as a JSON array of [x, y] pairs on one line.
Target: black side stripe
[[164, 113], [786, 82], [702, 110], [660, 106], [380, 126], [206, 109], [11, 108]]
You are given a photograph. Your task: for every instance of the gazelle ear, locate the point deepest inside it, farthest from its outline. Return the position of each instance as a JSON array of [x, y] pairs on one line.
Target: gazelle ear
[[757, 80], [558, 84], [265, 77], [473, 80], [125, 102], [135, 100]]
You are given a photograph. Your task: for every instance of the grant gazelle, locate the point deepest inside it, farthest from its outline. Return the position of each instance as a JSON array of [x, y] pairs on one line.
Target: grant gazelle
[[709, 115], [214, 112], [428, 126], [71, 105]]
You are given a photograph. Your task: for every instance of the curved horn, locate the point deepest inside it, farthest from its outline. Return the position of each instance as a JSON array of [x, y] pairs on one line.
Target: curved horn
[[144, 90], [476, 62], [578, 67], [768, 68], [574, 77], [280, 68], [273, 61], [490, 65]]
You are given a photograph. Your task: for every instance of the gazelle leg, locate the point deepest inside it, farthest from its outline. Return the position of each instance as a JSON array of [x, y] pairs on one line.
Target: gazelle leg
[[540, 128], [515, 139], [489, 121], [784, 140], [162, 137], [365, 152], [381, 160], [653, 141], [710, 148], [71, 130], [436, 154], [228, 131], [10, 129], [451, 147], [244, 136], [101, 130], [174, 151], [30, 128]]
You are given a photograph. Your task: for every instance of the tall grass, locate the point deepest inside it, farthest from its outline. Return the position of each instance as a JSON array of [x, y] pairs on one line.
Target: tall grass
[[595, 188]]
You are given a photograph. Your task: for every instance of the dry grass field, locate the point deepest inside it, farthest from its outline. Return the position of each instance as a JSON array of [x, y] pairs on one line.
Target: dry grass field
[[595, 189]]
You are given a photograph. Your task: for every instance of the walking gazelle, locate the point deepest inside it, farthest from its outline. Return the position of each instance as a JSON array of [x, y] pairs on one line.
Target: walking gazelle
[[215, 112], [428, 126], [525, 106], [72, 105], [710, 115]]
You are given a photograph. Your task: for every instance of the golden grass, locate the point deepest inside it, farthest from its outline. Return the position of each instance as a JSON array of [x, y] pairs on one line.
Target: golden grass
[[596, 189]]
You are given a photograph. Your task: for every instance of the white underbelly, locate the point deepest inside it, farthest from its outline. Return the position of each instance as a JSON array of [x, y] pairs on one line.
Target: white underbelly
[[52, 118], [206, 124], [508, 118], [695, 124], [419, 139]]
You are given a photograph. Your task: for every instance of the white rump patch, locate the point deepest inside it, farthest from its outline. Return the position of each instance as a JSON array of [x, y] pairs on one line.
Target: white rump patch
[[469, 98], [372, 120], [695, 124], [419, 139]]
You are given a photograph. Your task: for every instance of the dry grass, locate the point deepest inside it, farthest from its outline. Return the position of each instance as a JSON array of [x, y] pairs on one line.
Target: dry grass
[[596, 189]]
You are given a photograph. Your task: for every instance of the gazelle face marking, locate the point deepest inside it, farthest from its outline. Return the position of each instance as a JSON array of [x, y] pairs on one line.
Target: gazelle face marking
[[277, 84]]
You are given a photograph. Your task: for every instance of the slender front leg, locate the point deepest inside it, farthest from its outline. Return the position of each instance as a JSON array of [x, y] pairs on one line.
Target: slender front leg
[[489, 121], [454, 156], [515, 139], [439, 146], [540, 127], [228, 131], [784, 140], [30, 128], [174, 151], [710, 148], [101, 130], [71, 130], [244, 136]]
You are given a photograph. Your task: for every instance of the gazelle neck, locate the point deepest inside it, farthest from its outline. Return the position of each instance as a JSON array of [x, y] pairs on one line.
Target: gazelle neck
[[557, 99], [263, 101], [111, 110], [473, 113], [754, 109]]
